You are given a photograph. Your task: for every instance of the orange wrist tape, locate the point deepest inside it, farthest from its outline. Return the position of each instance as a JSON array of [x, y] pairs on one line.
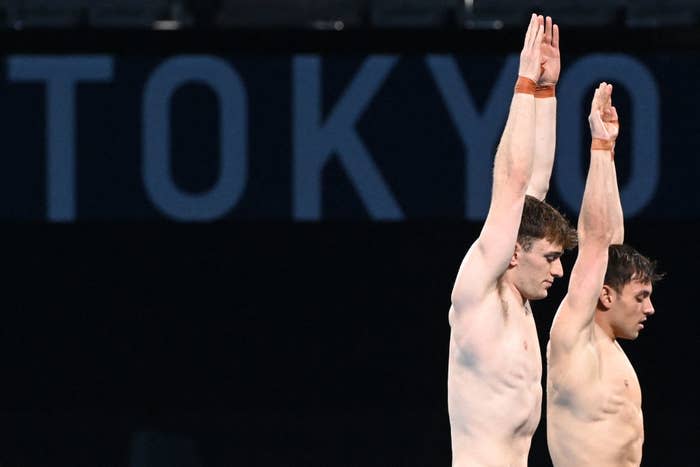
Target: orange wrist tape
[[544, 91], [603, 145], [525, 86]]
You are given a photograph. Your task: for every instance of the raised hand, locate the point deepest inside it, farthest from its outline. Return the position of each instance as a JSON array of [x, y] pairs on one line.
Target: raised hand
[[531, 55], [603, 117], [551, 58], [610, 121]]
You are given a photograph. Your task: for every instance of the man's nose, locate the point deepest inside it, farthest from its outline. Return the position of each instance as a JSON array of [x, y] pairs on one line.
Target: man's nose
[[557, 268], [648, 308]]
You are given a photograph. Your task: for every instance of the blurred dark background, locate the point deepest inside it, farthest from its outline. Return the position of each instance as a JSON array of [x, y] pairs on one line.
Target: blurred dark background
[[253, 267], [340, 14]]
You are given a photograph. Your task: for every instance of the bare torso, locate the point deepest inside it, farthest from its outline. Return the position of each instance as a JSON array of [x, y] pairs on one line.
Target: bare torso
[[594, 413], [494, 385]]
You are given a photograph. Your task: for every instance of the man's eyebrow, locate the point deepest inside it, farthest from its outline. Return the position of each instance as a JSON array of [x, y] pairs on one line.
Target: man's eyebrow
[[554, 253]]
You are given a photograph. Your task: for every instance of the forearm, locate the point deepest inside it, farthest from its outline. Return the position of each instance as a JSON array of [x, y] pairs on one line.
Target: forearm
[[617, 218], [489, 256], [545, 143], [513, 164], [595, 219]]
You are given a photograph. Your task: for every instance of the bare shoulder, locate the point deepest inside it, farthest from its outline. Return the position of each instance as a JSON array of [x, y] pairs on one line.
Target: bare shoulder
[[489, 256], [569, 331], [574, 320], [572, 353], [472, 287]]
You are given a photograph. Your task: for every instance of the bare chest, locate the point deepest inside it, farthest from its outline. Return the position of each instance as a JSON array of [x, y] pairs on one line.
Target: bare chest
[[521, 349], [511, 356], [617, 375], [494, 376], [602, 386]]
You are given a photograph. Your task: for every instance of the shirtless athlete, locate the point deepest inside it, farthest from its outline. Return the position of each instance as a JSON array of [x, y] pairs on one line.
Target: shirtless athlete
[[594, 414], [495, 366]]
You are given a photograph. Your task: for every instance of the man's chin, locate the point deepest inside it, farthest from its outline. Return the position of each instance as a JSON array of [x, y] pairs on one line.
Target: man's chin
[[629, 336], [540, 296]]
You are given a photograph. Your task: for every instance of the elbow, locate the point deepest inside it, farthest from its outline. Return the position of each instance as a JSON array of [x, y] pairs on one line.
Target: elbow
[[607, 238], [618, 237], [512, 173], [538, 190], [602, 238], [519, 180]]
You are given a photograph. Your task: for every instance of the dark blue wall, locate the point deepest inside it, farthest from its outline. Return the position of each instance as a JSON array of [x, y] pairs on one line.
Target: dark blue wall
[[257, 340]]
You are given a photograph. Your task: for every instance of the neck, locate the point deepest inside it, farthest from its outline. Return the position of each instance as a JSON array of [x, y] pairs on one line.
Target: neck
[[507, 284], [602, 323]]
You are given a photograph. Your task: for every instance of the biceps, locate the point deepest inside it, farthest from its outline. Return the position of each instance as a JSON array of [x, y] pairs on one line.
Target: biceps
[[577, 311], [489, 256], [570, 326], [587, 277], [479, 273]]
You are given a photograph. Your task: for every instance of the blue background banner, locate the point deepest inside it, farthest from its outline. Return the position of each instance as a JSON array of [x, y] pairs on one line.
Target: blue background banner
[[302, 135]]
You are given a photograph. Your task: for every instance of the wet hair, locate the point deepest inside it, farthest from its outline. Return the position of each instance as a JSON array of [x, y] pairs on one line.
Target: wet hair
[[540, 220], [626, 264]]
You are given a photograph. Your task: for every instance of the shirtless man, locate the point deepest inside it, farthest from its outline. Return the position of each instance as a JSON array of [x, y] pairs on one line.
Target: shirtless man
[[594, 414], [495, 366]]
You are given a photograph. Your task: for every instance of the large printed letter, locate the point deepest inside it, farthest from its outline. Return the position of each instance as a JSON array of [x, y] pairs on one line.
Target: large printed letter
[[479, 133], [577, 84], [315, 142], [233, 114], [61, 75]]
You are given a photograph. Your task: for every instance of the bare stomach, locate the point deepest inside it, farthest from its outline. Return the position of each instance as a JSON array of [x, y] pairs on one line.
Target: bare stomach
[[612, 441], [492, 418], [494, 387], [483, 451]]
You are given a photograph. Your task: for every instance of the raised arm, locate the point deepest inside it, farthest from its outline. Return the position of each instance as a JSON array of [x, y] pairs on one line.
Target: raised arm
[[546, 112], [489, 256], [617, 219], [595, 230]]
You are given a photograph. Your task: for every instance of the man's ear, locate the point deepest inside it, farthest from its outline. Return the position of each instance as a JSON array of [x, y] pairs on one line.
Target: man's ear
[[607, 297], [517, 251]]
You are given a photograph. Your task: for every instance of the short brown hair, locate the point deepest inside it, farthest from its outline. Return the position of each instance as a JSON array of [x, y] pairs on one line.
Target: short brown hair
[[626, 264], [540, 220]]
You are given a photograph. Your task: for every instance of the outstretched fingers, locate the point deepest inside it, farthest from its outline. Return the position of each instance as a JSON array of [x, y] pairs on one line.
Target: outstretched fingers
[[539, 36], [548, 35], [607, 94], [597, 100], [530, 57], [535, 32], [601, 99], [529, 35], [603, 118]]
